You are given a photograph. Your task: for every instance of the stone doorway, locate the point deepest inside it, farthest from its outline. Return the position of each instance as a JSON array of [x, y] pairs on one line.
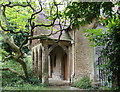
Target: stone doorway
[[58, 66]]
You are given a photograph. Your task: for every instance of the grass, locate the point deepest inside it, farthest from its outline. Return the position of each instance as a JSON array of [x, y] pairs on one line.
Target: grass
[[25, 86]]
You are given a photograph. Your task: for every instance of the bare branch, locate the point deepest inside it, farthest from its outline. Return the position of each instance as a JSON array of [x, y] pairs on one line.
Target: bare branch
[[42, 36], [8, 57], [60, 31], [35, 12], [30, 6], [14, 47], [24, 66], [24, 42], [3, 14], [13, 5], [26, 45], [13, 71], [49, 25]]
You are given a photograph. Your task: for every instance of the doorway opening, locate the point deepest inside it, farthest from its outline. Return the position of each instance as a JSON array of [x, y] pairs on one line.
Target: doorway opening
[[58, 64]]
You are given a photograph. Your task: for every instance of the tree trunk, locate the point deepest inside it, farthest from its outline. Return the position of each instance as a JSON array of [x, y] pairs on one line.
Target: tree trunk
[[24, 66], [17, 57]]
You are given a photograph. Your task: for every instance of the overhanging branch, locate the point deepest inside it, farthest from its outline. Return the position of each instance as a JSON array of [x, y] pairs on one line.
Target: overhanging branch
[[13, 71], [44, 35]]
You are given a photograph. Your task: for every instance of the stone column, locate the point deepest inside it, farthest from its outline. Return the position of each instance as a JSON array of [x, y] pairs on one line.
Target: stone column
[[40, 63], [33, 60], [73, 61], [36, 62], [49, 65], [45, 65], [69, 64]]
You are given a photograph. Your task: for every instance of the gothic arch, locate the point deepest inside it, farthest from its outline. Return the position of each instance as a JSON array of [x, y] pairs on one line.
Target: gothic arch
[[58, 64], [65, 49]]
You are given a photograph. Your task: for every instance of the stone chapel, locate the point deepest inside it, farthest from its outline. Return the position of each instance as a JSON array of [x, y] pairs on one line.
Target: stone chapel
[[69, 59]]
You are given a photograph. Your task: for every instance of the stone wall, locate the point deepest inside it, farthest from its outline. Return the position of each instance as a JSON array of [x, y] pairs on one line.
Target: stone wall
[[80, 54], [84, 56]]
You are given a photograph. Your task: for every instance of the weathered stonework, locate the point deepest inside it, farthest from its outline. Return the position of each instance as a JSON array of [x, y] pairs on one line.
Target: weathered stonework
[[84, 59], [69, 59]]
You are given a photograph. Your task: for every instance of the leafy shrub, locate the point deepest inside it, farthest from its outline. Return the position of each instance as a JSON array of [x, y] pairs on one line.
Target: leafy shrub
[[35, 81], [11, 81], [8, 78], [83, 83]]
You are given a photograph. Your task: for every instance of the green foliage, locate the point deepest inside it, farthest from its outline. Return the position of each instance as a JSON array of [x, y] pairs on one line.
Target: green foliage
[[18, 18], [81, 13], [25, 86], [11, 81], [111, 51], [83, 83], [95, 35], [18, 39], [8, 78]]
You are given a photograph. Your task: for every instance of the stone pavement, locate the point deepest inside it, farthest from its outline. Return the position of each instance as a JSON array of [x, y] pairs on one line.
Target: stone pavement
[[58, 82], [62, 88], [55, 84]]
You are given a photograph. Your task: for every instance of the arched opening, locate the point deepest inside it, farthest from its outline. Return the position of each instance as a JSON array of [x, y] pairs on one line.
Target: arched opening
[[58, 64]]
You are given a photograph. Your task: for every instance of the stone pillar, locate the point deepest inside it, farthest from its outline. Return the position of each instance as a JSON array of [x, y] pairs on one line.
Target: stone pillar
[[36, 62], [49, 65], [40, 63], [52, 61], [69, 67], [70, 63], [73, 61], [33, 60], [45, 65]]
